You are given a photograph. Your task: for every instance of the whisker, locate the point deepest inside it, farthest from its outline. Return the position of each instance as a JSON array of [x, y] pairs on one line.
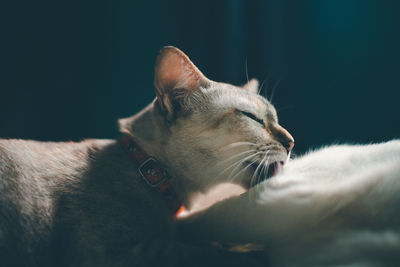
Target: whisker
[[271, 97], [237, 163], [266, 83], [236, 144], [247, 73], [261, 87], [244, 160], [251, 196], [242, 170], [264, 172], [265, 166], [235, 156], [266, 79], [255, 173]]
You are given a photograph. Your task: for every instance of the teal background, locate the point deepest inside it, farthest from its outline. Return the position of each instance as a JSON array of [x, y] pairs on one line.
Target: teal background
[[69, 69]]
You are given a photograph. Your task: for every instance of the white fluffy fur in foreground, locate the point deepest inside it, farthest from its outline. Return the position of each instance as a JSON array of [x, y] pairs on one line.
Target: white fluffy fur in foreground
[[337, 206]]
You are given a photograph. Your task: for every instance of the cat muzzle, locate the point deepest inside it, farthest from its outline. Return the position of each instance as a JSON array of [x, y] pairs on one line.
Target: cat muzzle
[[262, 173]]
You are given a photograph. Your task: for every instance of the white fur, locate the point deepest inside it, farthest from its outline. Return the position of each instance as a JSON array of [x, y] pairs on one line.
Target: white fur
[[338, 206], [334, 206]]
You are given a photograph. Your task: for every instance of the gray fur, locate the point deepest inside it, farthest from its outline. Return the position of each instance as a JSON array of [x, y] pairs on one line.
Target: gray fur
[[84, 204]]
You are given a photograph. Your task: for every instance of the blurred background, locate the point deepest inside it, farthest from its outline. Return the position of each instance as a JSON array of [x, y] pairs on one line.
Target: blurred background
[[69, 69]]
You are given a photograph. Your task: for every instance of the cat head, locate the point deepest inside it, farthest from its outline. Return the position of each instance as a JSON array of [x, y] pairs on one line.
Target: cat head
[[210, 132]]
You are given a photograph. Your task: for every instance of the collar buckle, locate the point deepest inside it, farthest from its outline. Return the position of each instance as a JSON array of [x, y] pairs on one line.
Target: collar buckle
[[151, 172]]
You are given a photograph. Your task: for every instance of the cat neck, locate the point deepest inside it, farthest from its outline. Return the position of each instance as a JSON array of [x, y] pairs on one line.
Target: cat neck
[[150, 130]]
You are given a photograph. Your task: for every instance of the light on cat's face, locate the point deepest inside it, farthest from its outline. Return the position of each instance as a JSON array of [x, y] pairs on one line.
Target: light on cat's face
[[240, 131], [218, 131]]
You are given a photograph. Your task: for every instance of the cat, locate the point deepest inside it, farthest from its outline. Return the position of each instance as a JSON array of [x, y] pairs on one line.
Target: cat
[[112, 203], [336, 206]]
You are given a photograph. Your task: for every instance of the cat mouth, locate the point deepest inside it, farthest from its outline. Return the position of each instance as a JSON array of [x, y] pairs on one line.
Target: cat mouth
[[262, 173]]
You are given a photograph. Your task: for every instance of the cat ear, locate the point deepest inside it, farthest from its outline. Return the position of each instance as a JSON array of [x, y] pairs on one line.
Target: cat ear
[[175, 77], [252, 86]]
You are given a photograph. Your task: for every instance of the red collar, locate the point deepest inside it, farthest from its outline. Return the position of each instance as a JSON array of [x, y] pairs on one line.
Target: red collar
[[152, 173]]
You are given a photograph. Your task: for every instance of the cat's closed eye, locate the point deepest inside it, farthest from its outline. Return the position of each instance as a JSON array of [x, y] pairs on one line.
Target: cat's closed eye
[[253, 117]]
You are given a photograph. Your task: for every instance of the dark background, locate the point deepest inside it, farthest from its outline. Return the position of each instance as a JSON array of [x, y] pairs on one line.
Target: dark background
[[69, 69]]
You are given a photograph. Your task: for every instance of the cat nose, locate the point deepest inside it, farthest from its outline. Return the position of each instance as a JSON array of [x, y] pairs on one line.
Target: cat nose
[[283, 136], [289, 145]]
